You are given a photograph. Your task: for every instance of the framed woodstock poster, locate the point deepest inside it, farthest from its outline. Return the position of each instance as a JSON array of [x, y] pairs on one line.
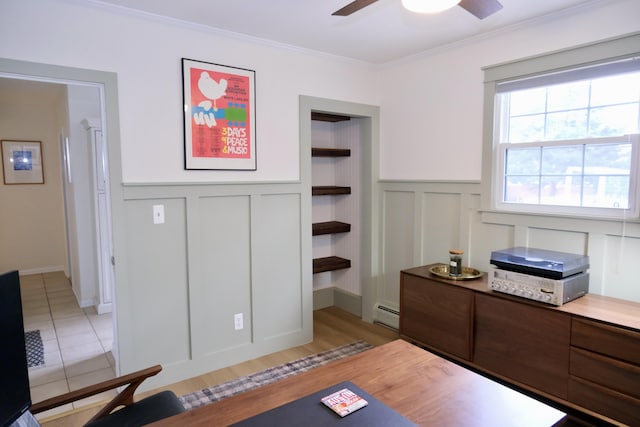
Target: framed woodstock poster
[[22, 162], [219, 116]]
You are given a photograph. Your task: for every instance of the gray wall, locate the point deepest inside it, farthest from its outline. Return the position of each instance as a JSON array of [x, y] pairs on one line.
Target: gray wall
[[223, 250], [421, 221]]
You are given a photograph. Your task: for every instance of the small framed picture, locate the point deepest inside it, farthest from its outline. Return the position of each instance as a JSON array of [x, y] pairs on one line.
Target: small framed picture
[[22, 162], [219, 116]]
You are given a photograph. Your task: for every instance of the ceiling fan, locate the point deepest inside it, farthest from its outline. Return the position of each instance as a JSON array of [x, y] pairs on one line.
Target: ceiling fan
[[479, 8]]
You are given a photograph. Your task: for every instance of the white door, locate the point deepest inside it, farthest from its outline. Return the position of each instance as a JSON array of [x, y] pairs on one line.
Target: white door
[[103, 219]]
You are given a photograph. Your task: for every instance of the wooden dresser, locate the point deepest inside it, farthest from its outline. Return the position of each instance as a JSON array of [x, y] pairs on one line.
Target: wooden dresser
[[584, 355]]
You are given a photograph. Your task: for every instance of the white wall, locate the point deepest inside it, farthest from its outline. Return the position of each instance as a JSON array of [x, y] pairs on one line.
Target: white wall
[[431, 122], [431, 103], [146, 54]]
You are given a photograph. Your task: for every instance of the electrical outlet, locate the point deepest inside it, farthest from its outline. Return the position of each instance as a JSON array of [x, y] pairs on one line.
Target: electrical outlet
[[237, 320]]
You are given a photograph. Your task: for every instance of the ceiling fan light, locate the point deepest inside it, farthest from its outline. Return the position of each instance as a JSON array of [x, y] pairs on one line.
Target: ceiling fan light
[[429, 6]]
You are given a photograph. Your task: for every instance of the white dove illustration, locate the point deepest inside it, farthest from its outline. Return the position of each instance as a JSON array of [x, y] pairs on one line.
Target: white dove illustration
[[211, 90]]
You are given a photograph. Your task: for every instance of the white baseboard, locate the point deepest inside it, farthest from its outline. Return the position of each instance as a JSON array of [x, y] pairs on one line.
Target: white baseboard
[[41, 270], [104, 308]]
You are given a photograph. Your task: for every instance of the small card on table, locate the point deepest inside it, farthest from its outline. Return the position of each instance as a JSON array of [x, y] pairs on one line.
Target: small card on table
[[344, 402]]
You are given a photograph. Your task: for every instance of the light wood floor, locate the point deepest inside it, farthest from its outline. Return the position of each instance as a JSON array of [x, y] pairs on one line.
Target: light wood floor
[[332, 327]]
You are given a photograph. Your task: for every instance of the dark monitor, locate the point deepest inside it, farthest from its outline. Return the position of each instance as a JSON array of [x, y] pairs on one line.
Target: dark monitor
[[15, 397]]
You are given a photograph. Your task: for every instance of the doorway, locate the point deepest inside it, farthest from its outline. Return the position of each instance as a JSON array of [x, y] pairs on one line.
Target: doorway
[[64, 119], [103, 119], [364, 137]]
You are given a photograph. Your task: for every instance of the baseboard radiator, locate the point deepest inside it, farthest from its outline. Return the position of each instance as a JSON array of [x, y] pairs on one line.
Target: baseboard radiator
[[386, 316]]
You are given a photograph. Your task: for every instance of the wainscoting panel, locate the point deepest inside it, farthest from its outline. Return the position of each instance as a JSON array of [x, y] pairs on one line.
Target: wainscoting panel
[[278, 296], [422, 220], [574, 242], [488, 237], [440, 229], [398, 242], [224, 249], [158, 281], [224, 289], [622, 258]]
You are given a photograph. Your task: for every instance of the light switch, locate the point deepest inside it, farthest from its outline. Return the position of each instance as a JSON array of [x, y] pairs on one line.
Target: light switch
[[158, 214]]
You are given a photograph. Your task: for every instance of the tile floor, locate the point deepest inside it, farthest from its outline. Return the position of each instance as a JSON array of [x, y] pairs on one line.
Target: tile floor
[[77, 342]]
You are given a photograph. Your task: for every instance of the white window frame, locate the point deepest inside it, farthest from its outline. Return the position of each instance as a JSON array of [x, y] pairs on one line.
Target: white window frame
[[539, 67]]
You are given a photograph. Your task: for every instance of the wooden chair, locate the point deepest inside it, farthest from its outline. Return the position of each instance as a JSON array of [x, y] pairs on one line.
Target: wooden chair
[[152, 408]]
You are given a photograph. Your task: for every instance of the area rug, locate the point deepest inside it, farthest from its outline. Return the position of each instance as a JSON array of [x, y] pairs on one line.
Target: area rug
[[270, 375], [35, 349]]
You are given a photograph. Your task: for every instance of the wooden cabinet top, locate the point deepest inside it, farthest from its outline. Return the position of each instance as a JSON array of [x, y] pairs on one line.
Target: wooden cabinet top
[[614, 311], [479, 284]]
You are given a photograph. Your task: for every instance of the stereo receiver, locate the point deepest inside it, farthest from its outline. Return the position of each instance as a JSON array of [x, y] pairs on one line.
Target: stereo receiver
[[550, 291]]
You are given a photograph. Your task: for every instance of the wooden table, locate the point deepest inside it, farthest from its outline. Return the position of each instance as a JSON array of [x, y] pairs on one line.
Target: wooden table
[[423, 387]]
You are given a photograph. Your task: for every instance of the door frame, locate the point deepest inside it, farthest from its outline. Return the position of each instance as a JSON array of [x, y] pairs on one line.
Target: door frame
[[107, 82], [370, 237]]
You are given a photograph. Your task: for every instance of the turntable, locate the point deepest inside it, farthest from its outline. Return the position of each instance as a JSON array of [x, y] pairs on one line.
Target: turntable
[[540, 262]]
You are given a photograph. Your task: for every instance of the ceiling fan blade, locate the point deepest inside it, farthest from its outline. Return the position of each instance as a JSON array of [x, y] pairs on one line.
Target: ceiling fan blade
[[481, 8], [353, 7]]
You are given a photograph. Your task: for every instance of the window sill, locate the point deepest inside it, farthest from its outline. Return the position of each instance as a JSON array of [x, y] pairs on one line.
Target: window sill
[[614, 226]]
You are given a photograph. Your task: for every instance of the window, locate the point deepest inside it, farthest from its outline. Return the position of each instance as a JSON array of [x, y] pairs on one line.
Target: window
[[565, 141], [569, 144]]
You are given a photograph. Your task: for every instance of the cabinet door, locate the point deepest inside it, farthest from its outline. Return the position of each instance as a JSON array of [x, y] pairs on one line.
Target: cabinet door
[[523, 342], [437, 315]]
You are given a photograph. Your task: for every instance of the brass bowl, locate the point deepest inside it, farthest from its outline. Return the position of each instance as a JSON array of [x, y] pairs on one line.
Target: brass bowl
[[468, 273]]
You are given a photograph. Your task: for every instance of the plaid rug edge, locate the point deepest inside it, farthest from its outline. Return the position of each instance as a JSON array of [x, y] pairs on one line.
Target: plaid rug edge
[[270, 375]]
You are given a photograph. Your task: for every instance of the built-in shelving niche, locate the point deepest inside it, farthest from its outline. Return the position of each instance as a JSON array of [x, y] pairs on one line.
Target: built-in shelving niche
[[330, 263]]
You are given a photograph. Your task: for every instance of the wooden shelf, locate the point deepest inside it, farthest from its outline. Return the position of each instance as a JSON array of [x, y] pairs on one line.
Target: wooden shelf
[[324, 117], [330, 227], [331, 263], [329, 190], [330, 152]]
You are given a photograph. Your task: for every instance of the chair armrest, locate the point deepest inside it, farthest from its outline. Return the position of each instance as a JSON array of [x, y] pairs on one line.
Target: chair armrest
[[125, 397]]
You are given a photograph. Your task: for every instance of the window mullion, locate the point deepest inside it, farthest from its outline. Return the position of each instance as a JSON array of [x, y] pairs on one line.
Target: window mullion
[[584, 151], [589, 112], [540, 175], [546, 112]]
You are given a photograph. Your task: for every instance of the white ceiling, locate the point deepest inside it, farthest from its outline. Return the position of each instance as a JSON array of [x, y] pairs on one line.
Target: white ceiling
[[380, 33]]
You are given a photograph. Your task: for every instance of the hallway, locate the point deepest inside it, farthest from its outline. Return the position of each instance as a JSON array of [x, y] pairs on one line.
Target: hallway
[[77, 342]]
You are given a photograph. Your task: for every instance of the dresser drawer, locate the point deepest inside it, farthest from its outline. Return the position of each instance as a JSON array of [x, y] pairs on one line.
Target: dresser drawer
[[611, 373], [617, 406], [612, 341]]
